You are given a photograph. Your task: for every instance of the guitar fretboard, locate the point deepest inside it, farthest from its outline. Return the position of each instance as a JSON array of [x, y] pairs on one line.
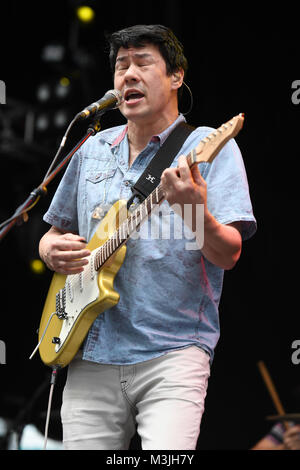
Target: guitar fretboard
[[133, 221]]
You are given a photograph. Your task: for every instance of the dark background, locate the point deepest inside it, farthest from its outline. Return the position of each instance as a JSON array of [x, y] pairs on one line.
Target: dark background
[[238, 62]]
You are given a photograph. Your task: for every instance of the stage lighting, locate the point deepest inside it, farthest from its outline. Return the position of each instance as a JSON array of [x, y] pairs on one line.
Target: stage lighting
[[54, 91], [43, 92], [61, 118], [53, 53], [42, 122], [37, 266], [54, 110], [62, 88], [85, 14], [64, 81]]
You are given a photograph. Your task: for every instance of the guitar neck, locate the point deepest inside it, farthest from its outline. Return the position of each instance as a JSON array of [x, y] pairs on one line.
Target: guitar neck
[[133, 221], [205, 151], [126, 228]]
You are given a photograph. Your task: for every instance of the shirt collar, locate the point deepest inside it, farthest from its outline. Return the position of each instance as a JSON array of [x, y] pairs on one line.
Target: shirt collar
[[161, 137], [164, 134]]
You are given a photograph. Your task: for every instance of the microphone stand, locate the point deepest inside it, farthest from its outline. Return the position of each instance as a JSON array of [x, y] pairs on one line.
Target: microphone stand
[[20, 214]]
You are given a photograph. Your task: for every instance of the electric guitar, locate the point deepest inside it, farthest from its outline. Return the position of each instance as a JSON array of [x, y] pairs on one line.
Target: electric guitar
[[73, 302]]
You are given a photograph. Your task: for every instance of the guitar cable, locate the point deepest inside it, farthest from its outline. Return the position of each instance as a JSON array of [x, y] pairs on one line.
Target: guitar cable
[[52, 384]]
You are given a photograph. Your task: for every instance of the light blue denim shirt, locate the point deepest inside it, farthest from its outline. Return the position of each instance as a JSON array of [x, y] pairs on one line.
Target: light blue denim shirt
[[169, 293]]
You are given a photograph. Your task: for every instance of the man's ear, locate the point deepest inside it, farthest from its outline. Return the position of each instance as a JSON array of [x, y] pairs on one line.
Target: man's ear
[[177, 78]]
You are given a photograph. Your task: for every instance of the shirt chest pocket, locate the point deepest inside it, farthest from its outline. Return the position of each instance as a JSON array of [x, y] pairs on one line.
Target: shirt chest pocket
[[97, 184]]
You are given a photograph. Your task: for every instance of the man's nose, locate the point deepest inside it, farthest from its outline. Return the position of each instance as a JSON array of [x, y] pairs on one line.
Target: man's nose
[[131, 74]]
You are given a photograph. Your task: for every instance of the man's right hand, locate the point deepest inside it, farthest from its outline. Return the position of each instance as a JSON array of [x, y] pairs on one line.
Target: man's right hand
[[63, 252]]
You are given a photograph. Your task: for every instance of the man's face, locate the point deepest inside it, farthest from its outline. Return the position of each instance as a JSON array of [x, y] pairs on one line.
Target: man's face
[[141, 76]]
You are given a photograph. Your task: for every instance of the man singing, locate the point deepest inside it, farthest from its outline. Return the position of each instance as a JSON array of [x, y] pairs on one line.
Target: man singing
[[145, 362]]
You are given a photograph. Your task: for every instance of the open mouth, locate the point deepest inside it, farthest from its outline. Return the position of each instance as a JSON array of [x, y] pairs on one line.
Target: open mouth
[[133, 96]]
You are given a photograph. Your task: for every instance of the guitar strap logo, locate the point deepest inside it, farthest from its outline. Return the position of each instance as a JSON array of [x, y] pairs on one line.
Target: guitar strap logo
[[151, 178]]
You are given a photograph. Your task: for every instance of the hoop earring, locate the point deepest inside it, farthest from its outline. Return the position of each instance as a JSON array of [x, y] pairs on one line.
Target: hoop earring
[[191, 99]]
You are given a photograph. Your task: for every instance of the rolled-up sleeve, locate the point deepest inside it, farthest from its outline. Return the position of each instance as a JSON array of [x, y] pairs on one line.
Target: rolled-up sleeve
[[62, 211], [228, 197]]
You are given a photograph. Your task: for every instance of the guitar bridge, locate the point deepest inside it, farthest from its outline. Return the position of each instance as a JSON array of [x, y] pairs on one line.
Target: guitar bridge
[[61, 304]]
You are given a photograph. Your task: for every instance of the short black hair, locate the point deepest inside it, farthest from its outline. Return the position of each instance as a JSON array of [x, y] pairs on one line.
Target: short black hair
[[169, 46]]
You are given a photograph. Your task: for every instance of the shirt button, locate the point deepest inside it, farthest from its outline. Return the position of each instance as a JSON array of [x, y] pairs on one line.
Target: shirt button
[[127, 183]]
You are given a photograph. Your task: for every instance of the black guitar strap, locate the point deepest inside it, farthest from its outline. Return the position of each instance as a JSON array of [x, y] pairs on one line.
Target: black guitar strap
[[150, 178]]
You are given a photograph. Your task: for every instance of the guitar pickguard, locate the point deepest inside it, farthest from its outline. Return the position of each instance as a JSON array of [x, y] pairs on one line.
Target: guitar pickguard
[[79, 292]]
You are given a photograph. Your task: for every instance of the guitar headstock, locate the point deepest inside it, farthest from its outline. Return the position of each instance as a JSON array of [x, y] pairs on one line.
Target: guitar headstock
[[210, 146]]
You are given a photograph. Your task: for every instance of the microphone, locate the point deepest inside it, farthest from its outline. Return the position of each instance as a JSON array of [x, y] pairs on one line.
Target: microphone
[[111, 100]]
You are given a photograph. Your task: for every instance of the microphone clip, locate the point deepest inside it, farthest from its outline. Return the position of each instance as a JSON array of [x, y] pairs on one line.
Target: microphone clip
[[95, 126]]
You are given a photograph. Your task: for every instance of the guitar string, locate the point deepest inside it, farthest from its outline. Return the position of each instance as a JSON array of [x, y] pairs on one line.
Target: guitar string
[[73, 279], [137, 213], [107, 249], [122, 234], [102, 256], [191, 157]]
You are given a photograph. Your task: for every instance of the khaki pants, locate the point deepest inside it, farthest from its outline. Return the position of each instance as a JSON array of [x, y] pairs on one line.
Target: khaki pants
[[163, 397]]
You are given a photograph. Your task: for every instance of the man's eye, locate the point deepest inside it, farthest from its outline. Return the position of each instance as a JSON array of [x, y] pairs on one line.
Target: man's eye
[[121, 67]]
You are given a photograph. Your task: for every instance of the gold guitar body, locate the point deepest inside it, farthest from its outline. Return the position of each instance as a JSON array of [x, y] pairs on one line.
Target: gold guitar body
[[53, 354]]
